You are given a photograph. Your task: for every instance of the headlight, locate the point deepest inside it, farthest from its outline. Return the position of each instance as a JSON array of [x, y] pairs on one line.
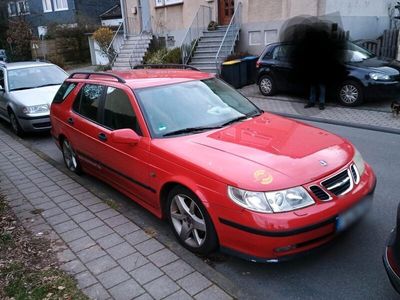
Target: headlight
[[36, 109], [359, 162], [271, 202], [379, 76]]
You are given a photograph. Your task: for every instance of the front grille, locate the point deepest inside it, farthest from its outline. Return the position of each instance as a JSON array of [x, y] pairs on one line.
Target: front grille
[[354, 173], [42, 125], [339, 184], [319, 193]]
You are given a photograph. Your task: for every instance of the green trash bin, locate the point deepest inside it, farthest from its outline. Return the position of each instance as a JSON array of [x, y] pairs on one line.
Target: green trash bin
[[230, 72], [251, 69]]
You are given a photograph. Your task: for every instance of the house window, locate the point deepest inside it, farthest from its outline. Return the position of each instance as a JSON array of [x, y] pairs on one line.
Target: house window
[[12, 9], [47, 5], [17, 8], [60, 5]]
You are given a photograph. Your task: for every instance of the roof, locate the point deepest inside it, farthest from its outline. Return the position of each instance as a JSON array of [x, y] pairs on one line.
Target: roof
[[143, 78], [112, 13], [25, 64]]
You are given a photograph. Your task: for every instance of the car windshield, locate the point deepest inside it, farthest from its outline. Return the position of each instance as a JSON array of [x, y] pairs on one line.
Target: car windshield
[[35, 77], [192, 106], [354, 53]]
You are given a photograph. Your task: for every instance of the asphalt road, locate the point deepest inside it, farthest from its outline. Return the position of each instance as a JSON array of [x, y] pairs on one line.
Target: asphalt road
[[349, 268]]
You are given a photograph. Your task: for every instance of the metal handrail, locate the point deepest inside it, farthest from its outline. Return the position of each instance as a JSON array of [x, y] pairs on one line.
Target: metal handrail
[[233, 31], [115, 53], [199, 24]]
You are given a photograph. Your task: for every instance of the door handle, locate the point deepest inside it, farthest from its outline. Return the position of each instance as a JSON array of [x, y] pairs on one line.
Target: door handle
[[70, 121], [102, 137]]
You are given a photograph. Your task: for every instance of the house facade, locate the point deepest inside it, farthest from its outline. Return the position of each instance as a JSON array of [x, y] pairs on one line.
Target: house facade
[[41, 13], [261, 20]]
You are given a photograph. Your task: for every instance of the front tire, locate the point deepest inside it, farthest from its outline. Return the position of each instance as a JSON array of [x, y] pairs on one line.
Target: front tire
[[15, 126], [350, 93], [70, 159], [267, 85], [190, 221]]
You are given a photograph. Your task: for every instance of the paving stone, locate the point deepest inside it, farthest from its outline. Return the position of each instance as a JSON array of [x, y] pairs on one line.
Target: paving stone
[[61, 218], [45, 205], [88, 199], [133, 261], [126, 228], [194, 283], [77, 191], [85, 279], [126, 290], [90, 224], [108, 213], [66, 226], [51, 212], [213, 292], [98, 207], [113, 277], [144, 296], [65, 256], [55, 193], [50, 188], [73, 267], [121, 250], [62, 198], [110, 241], [83, 216], [161, 287], [181, 295], [137, 237], [76, 210], [81, 243], [148, 247], [117, 220], [101, 264], [146, 273], [162, 257], [91, 253], [73, 234], [97, 292], [99, 232]]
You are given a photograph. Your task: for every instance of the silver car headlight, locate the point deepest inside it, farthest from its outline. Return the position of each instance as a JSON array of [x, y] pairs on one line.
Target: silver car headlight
[[271, 202], [359, 162], [379, 76], [36, 109]]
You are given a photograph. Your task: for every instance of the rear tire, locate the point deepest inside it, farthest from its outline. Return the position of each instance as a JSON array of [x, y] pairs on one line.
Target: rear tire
[[350, 93], [267, 85], [70, 159], [190, 221], [15, 126]]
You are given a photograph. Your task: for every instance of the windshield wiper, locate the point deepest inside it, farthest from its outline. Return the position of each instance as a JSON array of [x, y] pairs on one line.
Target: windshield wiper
[[191, 129], [22, 88], [48, 84], [241, 118]]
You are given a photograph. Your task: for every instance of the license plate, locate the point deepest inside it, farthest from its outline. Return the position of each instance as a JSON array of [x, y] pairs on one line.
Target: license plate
[[349, 217]]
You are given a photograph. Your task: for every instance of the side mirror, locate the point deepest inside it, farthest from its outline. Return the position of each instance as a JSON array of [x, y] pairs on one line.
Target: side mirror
[[124, 136], [1, 88]]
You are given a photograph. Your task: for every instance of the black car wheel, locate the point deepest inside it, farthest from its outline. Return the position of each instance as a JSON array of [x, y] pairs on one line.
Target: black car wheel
[[70, 159], [350, 93], [190, 221], [267, 85], [16, 128]]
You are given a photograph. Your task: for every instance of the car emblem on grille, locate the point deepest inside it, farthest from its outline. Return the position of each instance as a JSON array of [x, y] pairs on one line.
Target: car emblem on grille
[[323, 163]]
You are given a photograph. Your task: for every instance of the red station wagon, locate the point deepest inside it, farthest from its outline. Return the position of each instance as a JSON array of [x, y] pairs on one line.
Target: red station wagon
[[189, 148]]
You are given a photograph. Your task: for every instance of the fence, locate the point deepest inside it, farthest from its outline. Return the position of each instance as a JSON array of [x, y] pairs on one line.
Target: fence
[[385, 46]]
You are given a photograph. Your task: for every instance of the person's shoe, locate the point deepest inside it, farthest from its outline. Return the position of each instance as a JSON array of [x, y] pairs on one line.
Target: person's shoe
[[308, 105], [321, 106]]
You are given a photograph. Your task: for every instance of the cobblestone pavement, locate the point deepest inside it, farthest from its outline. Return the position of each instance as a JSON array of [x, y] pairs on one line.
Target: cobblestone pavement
[[109, 255], [374, 115]]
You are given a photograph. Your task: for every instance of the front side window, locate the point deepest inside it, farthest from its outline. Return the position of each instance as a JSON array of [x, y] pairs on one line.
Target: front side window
[[60, 4], [47, 5], [194, 104], [88, 100], [118, 111]]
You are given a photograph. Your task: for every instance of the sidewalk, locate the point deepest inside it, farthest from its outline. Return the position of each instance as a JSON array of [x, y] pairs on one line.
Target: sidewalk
[[108, 254], [379, 118]]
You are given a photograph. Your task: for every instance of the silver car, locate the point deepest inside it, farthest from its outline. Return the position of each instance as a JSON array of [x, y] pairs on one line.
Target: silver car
[[26, 92]]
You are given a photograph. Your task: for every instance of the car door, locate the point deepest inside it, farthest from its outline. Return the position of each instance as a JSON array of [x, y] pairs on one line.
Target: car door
[[3, 93], [281, 68], [126, 164]]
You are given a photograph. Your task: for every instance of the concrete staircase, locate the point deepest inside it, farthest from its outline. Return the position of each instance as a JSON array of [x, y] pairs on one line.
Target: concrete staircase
[[203, 57], [134, 49]]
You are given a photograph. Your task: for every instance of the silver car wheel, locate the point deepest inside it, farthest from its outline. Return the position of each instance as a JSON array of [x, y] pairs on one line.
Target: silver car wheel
[[69, 156], [188, 221], [266, 85], [14, 122], [349, 94]]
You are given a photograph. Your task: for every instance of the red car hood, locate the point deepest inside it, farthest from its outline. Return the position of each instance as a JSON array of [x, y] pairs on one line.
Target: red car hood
[[265, 153]]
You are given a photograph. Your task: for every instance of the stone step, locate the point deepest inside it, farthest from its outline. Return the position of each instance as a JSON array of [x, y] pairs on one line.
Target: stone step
[[206, 64], [214, 33], [132, 54], [136, 42], [209, 55], [202, 59]]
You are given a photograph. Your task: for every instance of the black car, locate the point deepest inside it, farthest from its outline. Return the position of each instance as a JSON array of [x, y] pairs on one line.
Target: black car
[[367, 77], [391, 257]]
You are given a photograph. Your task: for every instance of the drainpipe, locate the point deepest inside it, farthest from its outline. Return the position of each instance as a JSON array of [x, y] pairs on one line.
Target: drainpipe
[[123, 6]]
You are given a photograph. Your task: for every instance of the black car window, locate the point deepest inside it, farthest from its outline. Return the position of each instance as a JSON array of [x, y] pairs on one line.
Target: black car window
[[88, 100], [2, 79], [281, 53], [65, 89], [118, 111]]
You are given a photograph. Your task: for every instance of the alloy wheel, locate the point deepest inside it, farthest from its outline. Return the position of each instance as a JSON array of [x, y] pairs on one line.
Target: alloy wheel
[[266, 85], [349, 94], [188, 221], [69, 156]]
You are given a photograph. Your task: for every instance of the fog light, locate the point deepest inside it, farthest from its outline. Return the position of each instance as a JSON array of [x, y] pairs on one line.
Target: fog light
[[285, 248]]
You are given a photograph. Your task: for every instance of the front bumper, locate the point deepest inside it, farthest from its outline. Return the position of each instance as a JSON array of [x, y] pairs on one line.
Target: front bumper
[[391, 264], [277, 237], [35, 124], [382, 90]]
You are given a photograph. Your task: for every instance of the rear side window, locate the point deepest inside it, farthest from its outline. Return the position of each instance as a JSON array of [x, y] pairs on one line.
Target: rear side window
[[88, 101], [65, 89], [118, 111]]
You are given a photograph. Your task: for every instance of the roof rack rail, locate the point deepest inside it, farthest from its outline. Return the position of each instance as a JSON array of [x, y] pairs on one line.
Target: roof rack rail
[[164, 66], [88, 74]]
